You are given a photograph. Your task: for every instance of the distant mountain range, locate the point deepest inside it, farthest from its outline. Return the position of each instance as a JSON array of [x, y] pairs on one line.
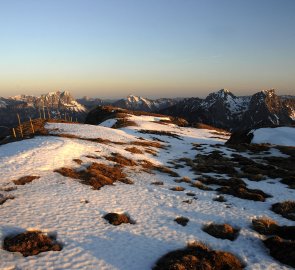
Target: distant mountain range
[[220, 109], [56, 104], [225, 110]]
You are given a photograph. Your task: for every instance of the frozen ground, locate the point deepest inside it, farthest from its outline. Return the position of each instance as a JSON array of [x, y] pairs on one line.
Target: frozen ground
[[54, 203]]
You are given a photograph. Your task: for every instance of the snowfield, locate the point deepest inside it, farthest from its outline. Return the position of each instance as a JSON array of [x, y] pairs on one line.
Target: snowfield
[[279, 135], [55, 204]]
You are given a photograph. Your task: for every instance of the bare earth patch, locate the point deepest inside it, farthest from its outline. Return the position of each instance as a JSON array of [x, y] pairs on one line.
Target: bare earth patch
[[223, 231], [25, 180], [31, 243], [198, 257]]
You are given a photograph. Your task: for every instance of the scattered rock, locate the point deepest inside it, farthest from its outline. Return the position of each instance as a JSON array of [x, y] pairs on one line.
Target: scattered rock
[[31, 243]]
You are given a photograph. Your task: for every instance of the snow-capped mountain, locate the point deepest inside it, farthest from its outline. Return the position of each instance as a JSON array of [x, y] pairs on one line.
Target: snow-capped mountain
[[56, 104], [53, 100], [90, 103], [224, 109], [144, 104]]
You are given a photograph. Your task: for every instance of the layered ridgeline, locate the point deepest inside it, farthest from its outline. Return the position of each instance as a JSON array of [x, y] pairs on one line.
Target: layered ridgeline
[[138, 103], [225, 110], [56, 104]]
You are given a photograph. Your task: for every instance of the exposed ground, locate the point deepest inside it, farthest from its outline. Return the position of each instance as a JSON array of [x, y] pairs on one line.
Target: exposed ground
[[160, 190]]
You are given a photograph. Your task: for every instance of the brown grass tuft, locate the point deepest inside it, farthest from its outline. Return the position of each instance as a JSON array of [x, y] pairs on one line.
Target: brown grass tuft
[[31, 243], [158, 183], [182, 221], [178, 188], [78, 161], [223, 231], [285, 209], [118, 158], [198, 257], [96, 175], [265, 226], [281, 250], [4, 198], [117, 219], [133, 150], [25, 180], [124, 122]]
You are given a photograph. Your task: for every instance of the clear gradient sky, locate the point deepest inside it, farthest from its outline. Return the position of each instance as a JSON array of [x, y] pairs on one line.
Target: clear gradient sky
[[154, 48]]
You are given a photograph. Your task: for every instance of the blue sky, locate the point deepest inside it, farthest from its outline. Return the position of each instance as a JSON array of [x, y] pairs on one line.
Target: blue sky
[[111, 48]]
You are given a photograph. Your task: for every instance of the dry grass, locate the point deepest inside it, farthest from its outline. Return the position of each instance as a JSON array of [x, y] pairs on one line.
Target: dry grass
[[133, 150], [265, 226], [160, 133], [178, 188], [124, 122], [198, 257], [145, 143], [219, 198], [223, 231], [3, 198], [25, 180], [149, 166], [78, 161], [118, 158], [117, 219], [158, 183], [126, 181], [181, 221], [96, 175], [285, 209], [199, 185], [191, 194], [31, 243], [281, 250]]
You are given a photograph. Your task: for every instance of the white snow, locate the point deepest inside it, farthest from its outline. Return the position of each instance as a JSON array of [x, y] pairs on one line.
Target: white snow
[[279, 135], [108, 123], [54, 203]]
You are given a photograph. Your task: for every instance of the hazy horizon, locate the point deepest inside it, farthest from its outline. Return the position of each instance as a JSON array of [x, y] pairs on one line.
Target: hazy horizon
[[163, 48]]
